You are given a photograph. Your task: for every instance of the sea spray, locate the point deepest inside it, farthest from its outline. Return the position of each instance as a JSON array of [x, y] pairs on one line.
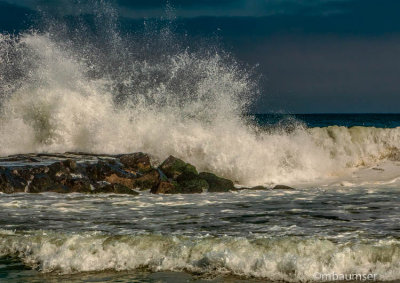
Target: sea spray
[[95, 89]]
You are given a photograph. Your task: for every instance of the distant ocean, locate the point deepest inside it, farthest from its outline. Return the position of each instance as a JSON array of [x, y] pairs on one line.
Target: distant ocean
[[377, 120], [84, 86]]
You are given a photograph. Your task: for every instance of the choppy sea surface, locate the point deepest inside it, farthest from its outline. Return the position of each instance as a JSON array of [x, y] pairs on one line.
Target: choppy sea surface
[[278, 235]]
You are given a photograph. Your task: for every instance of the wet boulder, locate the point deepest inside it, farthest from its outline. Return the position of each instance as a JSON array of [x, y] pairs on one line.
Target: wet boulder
[[137, 162], [215, 183], [11, 182], [109, 171], [148, 180], [78, 185], [166, 187], [180, 177], [28, 173], [62, 167], [121, 180], [190, 183], [98, 171], [172, 167], [41, 183]]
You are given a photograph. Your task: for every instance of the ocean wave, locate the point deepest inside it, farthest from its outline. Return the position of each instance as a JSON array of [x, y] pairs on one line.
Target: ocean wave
[[288, 259], [57, 96]]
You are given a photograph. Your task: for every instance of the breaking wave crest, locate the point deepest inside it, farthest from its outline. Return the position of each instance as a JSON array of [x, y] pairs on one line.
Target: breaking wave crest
[[102, 92], [288, 259]]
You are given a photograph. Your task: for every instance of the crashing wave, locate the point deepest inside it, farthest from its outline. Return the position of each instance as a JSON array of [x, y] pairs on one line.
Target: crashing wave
[[288, 259], [108, 94]]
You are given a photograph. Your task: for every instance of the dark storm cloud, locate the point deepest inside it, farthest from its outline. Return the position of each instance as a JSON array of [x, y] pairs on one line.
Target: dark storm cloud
[[194, 8], [328, 73], [226, 8]]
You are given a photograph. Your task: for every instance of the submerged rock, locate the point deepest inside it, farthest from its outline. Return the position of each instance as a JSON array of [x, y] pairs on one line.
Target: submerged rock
[[258, 188], [282, 187]]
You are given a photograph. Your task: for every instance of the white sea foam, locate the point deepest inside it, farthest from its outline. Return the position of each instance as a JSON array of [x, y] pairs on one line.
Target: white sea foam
[[182, 103], [288, 259]]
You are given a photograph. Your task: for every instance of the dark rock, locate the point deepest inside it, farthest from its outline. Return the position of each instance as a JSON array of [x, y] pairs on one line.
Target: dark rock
[[124, 181], [282, 187], [71, 164], [111, 174], [189, 182], [58, 188], [166, 187], [262, 188], [98, 171], [120, 189], [66, 166], [27, 173], [102, 187], [40, 183], [5, 185], [193, 186], [102, 170], [105, 187], [11, 182], [258, 188], [216, 184], [148, 181], [172, 167], [137, 162], [58, 172], [163, 177], [78, 185]]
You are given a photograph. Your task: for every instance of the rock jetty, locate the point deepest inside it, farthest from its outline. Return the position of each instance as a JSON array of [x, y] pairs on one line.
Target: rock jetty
[[120, 174]]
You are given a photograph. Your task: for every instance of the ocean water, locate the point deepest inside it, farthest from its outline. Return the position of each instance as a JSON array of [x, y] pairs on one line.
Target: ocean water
[[245, 236], [85, 86], [380, 120]]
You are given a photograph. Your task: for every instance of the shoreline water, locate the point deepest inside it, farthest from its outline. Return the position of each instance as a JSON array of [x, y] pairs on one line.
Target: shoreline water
[[235, 235], [271, 234]]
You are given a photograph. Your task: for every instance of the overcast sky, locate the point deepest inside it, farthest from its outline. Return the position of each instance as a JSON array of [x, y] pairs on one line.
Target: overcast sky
[[314, 56]]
